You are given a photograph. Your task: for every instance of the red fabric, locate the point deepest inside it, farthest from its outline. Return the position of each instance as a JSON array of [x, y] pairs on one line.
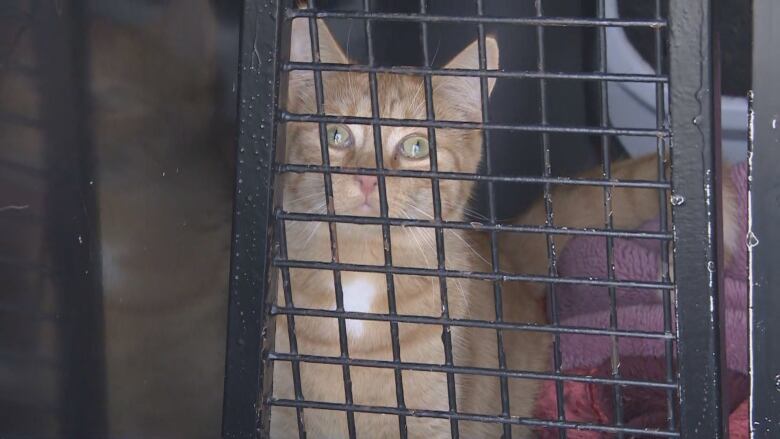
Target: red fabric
[[738, 422], [642, 407]]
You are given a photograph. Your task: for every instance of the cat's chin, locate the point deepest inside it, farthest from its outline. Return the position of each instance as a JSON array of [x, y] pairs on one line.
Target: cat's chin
[[367, 209]]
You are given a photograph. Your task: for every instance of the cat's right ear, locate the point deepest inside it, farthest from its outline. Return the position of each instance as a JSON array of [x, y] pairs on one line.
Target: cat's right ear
[[300, 46]]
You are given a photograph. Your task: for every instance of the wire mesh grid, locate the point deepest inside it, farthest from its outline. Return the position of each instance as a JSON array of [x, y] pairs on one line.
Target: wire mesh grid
[[281, 312]]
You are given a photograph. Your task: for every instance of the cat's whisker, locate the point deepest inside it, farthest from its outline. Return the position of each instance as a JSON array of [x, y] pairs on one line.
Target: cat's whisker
[[311, 234], [429, 242], [304, 198], [305, 229], [413, 234], [349, 75], [455, 234], [426, 214], [436, 52], [314, 226], [463, 295], [414, 101], [469, 246], [465, 209]]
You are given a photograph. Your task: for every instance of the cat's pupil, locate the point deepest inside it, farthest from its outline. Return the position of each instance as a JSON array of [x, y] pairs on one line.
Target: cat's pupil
[[337, 136]]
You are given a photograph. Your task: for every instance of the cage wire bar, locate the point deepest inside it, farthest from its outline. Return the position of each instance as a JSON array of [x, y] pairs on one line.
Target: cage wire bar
[[440, 255], [661, 151], [494, 262], [606, 173], [763, 237], [265, 38], [548, 222], [383, 213]]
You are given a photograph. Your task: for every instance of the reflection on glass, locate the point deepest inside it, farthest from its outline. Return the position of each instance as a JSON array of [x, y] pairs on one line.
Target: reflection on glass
[[115, 206]]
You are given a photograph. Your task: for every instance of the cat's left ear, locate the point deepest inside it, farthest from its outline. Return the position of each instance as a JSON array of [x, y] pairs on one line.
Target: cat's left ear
[[301, 82], [300, 47], [462, 95], [468, 58]]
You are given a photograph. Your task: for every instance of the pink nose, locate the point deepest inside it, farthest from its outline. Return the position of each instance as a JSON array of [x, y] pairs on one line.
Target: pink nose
[[367, 183]]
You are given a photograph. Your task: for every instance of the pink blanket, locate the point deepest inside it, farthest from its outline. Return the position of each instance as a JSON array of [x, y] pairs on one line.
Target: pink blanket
[[637, 309]]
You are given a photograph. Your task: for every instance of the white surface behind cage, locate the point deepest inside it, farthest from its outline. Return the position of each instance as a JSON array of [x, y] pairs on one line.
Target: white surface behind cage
[[632, 104]]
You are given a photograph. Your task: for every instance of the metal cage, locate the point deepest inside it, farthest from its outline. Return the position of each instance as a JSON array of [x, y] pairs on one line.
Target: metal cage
[[50, 261], [686, 131]]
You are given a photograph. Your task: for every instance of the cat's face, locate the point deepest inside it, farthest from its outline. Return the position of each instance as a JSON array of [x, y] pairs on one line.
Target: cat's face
[[403, 148]]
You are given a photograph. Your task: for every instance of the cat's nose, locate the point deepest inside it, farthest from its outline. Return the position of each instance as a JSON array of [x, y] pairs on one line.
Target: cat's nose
[[367, 183]]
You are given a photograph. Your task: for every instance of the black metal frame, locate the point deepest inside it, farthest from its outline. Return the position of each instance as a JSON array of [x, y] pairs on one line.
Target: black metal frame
[[693, 193], [763, 237], [697, 216], [248, 371]]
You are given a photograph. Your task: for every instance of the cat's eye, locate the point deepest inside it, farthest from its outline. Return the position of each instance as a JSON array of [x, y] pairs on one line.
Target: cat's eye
[[415, 147], [339, 136]]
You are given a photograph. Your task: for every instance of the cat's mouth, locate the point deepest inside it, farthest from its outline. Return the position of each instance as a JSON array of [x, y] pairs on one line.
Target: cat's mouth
[[366, 207], [359, 206]]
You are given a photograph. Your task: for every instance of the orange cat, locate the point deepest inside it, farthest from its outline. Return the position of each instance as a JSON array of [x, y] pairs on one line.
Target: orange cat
[[582, 207], [400, 97]]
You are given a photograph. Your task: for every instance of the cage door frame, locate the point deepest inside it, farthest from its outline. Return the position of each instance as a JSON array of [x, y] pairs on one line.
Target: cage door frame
[[697, 217], [764, 212]]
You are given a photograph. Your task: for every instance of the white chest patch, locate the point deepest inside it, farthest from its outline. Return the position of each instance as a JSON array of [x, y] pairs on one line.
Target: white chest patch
[[359, 295]]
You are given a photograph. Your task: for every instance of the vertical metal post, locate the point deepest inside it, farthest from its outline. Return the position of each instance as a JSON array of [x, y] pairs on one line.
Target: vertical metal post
[[695, 115], [72, 230], [764, 216], [446, 335], [248, 372]]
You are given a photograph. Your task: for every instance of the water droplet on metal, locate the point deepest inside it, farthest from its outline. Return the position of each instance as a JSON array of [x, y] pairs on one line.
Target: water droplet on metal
[[677, 200], [752, 240]]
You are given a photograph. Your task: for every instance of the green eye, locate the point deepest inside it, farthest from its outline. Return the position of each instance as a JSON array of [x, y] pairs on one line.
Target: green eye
[[339, 136], [415, 147]]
